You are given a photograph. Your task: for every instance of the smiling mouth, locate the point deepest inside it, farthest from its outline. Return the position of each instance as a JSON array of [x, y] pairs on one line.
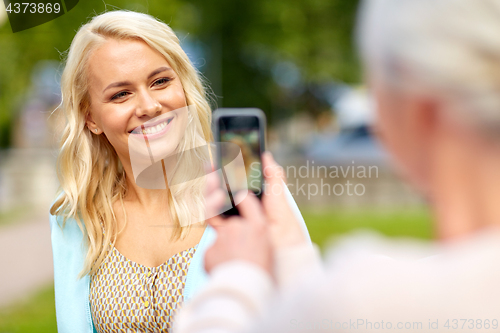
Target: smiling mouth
[[152, 129]]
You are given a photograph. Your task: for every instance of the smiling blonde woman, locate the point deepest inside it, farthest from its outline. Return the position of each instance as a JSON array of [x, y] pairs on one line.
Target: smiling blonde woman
[[127, 256]]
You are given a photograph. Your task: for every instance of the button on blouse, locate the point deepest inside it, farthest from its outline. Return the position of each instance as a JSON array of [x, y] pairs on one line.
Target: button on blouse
[[129, 297]]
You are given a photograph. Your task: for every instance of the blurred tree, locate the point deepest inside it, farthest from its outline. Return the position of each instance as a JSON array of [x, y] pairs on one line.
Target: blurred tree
[[255, 38], [266, 54]]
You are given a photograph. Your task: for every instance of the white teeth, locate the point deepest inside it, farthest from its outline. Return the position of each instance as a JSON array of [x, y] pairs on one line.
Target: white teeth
[[155, 129]]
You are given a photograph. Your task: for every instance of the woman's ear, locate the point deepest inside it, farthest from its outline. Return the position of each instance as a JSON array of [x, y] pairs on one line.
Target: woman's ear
[[91, 125]]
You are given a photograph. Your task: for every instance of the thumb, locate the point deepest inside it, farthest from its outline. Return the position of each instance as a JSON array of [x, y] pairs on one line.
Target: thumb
[[273, 172], [216, 222]]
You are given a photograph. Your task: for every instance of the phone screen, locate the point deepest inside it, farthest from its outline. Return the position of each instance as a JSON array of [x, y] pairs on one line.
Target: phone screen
[[245, 132]]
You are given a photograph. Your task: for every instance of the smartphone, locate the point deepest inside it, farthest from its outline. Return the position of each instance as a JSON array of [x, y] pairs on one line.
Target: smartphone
[[240, 136]]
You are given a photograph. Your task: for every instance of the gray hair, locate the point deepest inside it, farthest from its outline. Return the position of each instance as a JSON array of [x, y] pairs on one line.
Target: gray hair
[[447, 47]]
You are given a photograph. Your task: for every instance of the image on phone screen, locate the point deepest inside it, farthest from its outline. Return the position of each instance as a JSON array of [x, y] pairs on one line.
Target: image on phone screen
[[243, 131]]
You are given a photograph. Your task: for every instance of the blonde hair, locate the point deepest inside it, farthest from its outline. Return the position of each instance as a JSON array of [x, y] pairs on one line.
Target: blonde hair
[[448, 48], [89, 170]]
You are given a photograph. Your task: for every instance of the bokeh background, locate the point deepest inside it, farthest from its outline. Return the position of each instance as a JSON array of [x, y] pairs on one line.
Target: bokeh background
[[294, 59]]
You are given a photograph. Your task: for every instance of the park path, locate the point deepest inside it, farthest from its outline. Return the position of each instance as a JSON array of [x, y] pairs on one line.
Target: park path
[[25, 258]]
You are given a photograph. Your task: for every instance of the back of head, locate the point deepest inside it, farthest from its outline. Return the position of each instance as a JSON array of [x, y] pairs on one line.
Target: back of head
[[450, 48]]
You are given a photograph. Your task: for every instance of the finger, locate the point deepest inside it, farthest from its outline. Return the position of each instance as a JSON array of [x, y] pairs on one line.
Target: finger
[[214, 202], [273, 172], [250, 207], [212, 182], [216, 222], [223, 225], [208, 167], [274, 176]]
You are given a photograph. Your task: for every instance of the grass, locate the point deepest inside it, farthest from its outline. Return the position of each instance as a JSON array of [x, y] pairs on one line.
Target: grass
[[37, 314], [415, 222], [14, 215]]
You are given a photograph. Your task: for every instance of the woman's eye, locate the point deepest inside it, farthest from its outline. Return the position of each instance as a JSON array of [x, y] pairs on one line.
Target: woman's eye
[[161, 81], [120, 94]]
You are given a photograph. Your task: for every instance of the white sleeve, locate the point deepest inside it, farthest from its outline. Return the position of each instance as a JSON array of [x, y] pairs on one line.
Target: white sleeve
[[296, 211], [371, 284], [237, 293], [294, 264]]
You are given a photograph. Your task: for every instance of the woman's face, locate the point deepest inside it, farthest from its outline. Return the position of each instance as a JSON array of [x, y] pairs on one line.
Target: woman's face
[[131, 84]]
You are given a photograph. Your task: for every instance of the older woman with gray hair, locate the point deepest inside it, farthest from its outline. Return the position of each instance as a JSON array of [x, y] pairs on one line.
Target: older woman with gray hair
[[434, 68]]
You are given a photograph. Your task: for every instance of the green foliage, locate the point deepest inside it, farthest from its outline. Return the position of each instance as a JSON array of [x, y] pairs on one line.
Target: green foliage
[[244, 40], [253, 36]]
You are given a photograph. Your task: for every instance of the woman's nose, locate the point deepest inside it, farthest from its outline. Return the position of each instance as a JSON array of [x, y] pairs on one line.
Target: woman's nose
[[147, 105]]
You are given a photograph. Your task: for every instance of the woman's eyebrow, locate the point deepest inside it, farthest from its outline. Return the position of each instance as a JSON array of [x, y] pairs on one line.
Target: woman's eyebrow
[[125, 83], [159, 70]]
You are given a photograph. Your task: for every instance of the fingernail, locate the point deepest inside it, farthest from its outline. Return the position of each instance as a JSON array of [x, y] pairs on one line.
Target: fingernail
[[208, 167], [269, 154], [241, 195]]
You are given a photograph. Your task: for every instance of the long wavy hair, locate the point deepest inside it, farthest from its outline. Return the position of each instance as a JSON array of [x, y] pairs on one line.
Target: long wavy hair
[[90, 173]]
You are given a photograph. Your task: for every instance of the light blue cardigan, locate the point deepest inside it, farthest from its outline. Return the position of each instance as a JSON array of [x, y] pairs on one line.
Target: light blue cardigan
[[72, 294]]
